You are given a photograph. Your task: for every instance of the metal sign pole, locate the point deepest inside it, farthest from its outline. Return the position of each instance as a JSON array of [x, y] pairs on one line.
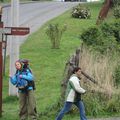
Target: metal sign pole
[[1, 25], [4, 57], [0, 78]]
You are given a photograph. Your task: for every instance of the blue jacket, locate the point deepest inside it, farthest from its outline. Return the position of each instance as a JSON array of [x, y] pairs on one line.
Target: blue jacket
[[21, 79]]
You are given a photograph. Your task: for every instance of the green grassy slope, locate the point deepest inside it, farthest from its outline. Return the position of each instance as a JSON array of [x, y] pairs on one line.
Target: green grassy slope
[[48, 64]]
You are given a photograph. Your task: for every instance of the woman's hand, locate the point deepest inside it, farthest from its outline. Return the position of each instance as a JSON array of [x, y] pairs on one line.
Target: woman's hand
[[20, 76], [10, 75]]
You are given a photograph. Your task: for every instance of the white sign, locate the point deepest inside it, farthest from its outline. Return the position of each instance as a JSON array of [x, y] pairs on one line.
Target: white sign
[[5, 30]]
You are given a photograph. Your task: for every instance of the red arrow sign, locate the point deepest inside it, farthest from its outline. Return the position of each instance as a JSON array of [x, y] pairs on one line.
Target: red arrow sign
[[17, 30]]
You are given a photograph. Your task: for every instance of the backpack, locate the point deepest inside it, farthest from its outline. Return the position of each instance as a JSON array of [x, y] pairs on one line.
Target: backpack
[[25, 64]]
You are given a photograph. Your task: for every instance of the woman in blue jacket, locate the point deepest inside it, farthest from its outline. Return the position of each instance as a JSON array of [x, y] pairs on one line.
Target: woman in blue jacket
[[24, 81]]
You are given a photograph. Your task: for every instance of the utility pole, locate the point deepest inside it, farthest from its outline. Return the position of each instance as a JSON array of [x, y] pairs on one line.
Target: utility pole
[[14, 43]]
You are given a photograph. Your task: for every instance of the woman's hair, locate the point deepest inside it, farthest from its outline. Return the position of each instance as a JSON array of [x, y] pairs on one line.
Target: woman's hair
[[76, 69], [23, 62]]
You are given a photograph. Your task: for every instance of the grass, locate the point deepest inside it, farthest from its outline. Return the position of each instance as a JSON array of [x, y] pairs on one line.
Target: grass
[[48, 64]]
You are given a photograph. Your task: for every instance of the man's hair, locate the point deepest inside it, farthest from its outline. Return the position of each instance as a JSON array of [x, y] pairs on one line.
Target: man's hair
[[76, 69]]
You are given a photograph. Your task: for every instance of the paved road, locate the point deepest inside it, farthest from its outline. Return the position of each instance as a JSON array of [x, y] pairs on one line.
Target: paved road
[[35, 14]]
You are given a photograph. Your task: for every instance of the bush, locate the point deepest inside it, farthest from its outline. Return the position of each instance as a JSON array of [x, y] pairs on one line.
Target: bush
[[81, 12], [94, 38], [116, 2], [117, 12], [104, 39], [112, 29], [107, 29], [90, 36], [54, 32], [116, 30]]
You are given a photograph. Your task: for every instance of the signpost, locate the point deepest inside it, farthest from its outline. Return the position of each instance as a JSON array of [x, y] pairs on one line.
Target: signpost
[[1, 26], [16, 31]]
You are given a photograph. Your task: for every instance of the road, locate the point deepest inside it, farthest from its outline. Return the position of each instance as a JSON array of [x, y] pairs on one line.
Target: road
[[35, 14]]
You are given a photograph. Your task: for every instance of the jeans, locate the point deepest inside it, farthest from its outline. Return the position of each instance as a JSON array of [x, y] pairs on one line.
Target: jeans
[[67, 107]]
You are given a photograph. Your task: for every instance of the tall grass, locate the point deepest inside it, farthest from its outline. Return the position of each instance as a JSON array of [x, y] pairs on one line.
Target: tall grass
[[101, 68]]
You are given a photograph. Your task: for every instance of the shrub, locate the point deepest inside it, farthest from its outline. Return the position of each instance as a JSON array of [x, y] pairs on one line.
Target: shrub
[[81, 12], [55, 32], [116, 2], [107, 29], [112, 29], [103, 39], [94, 38], [117, 12], [90, 36], [116, 30]]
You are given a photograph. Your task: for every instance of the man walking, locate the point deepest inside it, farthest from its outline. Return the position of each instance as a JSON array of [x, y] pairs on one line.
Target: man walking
[[73, 95]]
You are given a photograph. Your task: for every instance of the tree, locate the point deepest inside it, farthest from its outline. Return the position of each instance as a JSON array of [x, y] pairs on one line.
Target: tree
[[104, 11]]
